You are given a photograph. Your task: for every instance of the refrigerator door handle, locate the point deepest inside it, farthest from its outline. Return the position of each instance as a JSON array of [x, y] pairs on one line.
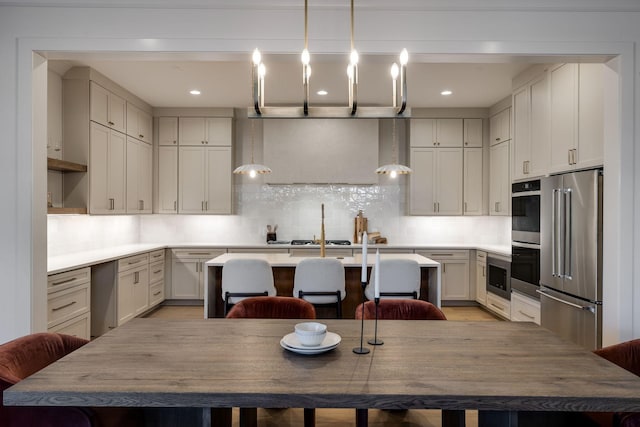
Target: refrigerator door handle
[[579, 307], [556, 233], [568, 238]]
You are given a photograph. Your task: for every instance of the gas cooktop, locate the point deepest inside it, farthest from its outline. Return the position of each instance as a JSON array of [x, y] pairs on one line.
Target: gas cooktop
[[326, 242]]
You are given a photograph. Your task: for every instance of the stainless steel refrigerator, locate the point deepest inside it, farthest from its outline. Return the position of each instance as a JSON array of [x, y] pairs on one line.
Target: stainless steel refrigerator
[[571, 256]]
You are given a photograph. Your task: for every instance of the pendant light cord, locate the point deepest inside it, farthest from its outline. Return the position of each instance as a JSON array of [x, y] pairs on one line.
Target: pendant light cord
[[393, 143], [306, 36], [351, 25]]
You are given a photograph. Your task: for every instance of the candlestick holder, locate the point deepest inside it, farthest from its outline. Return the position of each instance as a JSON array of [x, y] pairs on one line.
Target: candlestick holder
[[375, 340], [361, 349]]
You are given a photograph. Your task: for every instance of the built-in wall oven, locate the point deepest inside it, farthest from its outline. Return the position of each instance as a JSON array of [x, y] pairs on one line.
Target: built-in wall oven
[[525, 237]]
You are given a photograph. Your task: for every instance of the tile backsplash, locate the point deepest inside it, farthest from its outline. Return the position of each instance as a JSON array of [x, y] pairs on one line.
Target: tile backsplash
[[296, 210]]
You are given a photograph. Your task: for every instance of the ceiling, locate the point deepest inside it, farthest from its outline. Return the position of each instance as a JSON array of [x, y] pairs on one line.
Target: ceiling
[[164, 80]]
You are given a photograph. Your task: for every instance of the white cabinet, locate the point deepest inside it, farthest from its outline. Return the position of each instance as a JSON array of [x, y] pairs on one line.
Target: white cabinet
[[69, 302], [107, 160], [524, 308], [499, 181], [208, 131], [168, 131], [481, 277], [472, 133], [436, 132], [435, 186], [500, 127], [167, 179], [107, 108], [187, 272], [133, 287], [139, 188], [577, 116], [455, 272], [205, 180], [156, 277], [473, 181], [531, 129], [499, 305], [139, 123]]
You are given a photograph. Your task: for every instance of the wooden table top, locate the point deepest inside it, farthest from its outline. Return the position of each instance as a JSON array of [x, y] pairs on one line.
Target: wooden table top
[[288, 260], [423, 364]]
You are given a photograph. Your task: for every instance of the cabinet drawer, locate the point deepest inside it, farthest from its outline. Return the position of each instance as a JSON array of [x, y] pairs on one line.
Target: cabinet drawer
[[481, 256], [156, 293], [197, 253], [79, 326], [156, 271], [524, 309], [445, 254], [132, 262], [499, 305], [68, 279], [156, 255], [66, 304]]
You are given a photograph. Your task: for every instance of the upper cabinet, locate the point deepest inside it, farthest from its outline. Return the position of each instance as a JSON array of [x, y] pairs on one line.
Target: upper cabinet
[[577, 115], [531, 129], [472, 133], [139, 123], [499, 180], [167, 131], [500, 127], [207, 131], [107, 108], [436, 132]]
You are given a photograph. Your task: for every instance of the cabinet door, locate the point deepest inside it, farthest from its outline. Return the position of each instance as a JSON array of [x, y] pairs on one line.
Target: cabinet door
[[141, 291], [145, 177], [125, 307], [168, 131], [539, 125], [134, 163], [99, 202], [449, 132], [138, 123], [472, 133], [116, 161], [481, 282], [521, 132], [218, 182], [167, 179], [192, 179], [499, 181], [449, 181], [500, 127], [473, 181], [422, 181], [117, 113], [192, 131], [218, 132], [455, 280], [185, 279], [99, 104], [564, 120], [590, 116], [423, 132]]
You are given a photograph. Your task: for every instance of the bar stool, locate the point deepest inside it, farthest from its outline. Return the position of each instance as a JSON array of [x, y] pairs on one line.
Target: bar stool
[[399, 279], [320, 281], [246, 277]]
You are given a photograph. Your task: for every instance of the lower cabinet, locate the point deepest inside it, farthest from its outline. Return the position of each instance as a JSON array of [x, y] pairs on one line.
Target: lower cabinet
[[187, 272], [524, 308], [156, 277], [69, 302], [133, 287], [481, 277], [455, 273], [499, 305]]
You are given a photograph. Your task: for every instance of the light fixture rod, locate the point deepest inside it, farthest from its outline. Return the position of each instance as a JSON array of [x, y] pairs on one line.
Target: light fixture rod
[[306, 68], [255, 81], [353, 77]]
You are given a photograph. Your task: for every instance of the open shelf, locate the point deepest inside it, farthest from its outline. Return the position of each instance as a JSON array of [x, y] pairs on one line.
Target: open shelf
[[65, 166], [79, 211]]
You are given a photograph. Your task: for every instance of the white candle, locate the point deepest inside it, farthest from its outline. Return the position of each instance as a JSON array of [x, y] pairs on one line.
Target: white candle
[[376, 288], [363, 278]]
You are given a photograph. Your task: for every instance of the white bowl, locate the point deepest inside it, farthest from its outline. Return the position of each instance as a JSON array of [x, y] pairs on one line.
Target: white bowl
[[311, 333]]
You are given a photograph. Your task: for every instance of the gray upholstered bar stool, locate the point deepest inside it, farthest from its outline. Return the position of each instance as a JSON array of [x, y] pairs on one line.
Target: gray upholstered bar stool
[[399, 278], [246, 277], [320, 281]]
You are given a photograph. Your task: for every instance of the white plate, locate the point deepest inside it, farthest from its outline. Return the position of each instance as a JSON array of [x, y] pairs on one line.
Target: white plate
[[290, 342]]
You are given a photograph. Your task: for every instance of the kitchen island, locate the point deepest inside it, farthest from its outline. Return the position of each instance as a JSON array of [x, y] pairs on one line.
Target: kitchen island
[[284, 266]]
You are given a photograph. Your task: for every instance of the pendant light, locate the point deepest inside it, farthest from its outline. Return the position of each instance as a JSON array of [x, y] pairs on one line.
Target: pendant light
[[394, 169], [252, 169]]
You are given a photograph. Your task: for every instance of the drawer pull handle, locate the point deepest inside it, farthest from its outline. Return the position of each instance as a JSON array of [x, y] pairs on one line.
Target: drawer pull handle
[[526, 315], [62, 282], [441, 254], [199, 253], [157, 293], [156, 255], [497, 306], [157, 271], [63, 306], [134, 262]]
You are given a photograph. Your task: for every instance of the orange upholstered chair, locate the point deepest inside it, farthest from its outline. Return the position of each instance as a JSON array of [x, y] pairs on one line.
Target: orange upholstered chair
[[27, 355], [400, 309], [273, 308]]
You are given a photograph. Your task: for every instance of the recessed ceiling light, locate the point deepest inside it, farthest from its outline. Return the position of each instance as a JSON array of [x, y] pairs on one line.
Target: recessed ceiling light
[[322, 92], [446, 92], [194, 92]]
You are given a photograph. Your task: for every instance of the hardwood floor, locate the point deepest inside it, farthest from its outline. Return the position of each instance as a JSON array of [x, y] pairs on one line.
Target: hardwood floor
[[344, 417]]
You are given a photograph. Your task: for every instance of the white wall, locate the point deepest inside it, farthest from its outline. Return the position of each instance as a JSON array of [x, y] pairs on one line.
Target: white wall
[[491, 26]]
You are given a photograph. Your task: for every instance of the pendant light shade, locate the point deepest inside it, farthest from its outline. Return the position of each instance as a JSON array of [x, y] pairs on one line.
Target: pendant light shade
[[394, 169], [252, 169]]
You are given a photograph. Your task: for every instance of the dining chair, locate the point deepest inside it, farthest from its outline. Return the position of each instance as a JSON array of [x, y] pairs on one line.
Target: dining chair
[[399, 279], [25, 356], [246, 277], [320, 281], [273, 308], [400, 309]]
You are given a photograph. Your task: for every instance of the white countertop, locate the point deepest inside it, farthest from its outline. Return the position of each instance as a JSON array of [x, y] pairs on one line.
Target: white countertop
[[288, 260], [75, 260]]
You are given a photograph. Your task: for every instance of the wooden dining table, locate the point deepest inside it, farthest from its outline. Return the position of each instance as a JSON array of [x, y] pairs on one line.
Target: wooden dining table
[[498, 368]]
